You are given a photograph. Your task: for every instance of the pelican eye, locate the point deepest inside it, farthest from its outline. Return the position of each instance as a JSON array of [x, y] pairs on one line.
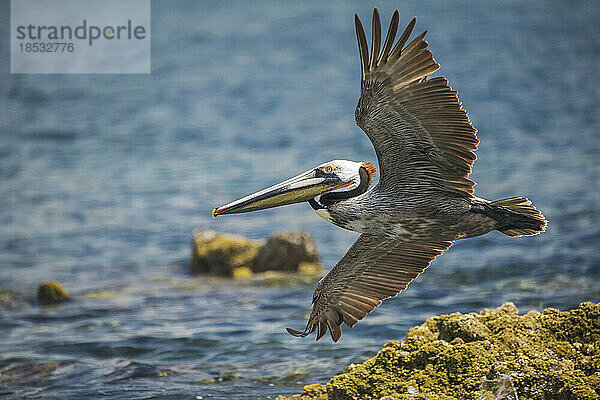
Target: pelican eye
[[328, 169]]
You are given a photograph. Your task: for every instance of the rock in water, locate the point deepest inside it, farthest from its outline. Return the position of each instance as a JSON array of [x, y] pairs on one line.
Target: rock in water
[[221, 254], [496, 354], [231, 255], [51, 292], [286, 251]]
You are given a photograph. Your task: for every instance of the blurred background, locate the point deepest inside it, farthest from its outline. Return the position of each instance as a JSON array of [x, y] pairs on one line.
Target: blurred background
[[103, 178]]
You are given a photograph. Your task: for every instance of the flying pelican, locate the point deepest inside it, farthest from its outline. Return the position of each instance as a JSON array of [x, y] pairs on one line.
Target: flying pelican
[[423, 201]]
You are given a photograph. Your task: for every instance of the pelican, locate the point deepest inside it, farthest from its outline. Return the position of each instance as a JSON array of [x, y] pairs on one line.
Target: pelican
[[423, 202]]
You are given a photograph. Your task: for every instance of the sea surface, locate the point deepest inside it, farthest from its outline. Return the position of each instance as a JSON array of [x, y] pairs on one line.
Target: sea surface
[[103, 179]]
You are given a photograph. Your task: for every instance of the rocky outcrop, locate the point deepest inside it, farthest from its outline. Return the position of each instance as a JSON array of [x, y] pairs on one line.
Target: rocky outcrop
[[239, 257], [495, 354]]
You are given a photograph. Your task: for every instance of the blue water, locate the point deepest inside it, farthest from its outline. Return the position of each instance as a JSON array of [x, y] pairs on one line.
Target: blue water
[[104, 177]]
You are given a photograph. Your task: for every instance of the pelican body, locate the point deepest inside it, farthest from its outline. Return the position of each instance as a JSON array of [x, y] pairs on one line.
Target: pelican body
[[423, 201]]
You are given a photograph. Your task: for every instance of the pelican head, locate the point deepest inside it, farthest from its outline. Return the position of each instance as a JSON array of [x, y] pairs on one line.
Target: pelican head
[[330, 177]]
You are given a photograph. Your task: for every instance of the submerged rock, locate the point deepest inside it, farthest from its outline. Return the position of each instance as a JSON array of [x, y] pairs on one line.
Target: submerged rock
[[231, 255], [495, 354], [51, 292], [10, 299]]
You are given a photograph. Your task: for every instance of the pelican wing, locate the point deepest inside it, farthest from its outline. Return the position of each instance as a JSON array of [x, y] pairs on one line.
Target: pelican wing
[[374, 269], [421, 134]]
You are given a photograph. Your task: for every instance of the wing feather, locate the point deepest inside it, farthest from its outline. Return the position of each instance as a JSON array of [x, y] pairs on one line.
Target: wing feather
[[389, 39], [421, 134], [362, 46], [403, 38], [374, 268], [376, 40]]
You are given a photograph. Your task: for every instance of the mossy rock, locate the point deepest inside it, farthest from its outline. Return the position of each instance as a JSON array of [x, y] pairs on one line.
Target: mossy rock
[[51, 292], [466, 327], [490, 355], [221, 254], [286, 251]]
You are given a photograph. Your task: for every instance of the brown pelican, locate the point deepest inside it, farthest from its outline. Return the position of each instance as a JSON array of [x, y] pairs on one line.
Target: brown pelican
[[423, 201]]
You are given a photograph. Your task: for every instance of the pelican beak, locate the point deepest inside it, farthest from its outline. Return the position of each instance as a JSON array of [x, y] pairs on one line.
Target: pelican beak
[[295, 190]]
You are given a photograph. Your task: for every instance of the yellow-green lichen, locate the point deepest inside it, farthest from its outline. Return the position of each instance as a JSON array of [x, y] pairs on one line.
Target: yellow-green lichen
[[242, 273], [310, 269], [537, 356]]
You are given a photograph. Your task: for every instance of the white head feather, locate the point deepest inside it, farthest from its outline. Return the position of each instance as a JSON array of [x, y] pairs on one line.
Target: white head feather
[[347, 171]]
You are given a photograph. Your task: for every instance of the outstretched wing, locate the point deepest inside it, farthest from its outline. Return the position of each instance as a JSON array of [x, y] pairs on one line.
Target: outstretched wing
[[421, 134], [374, 269]]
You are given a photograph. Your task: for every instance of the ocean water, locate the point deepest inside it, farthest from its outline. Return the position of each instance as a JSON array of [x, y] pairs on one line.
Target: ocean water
[[103, 178]]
